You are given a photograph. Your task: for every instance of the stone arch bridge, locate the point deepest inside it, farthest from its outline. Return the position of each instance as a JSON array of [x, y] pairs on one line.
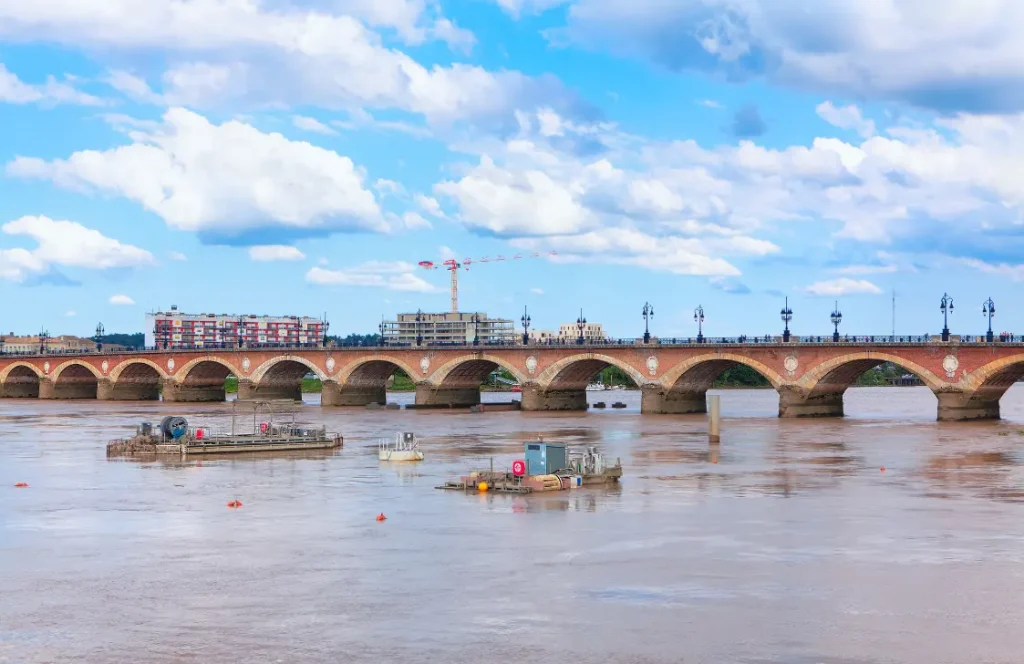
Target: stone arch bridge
[[968, 379]]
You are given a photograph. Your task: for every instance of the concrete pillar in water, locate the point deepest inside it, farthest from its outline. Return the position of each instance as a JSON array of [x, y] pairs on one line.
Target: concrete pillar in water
[[46, 389], [334, 394], [715, 418]]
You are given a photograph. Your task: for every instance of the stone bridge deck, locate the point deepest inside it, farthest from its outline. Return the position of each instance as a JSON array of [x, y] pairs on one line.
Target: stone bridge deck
[[968, 379]]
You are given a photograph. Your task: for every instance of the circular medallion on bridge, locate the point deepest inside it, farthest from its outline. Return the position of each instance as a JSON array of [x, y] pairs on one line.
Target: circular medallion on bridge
[[104, 365], [246, 364], [330, 364], [425, 364], [950, 365], [531, 365], [170, 364], [652, 365], [46, 367], [791, 364]]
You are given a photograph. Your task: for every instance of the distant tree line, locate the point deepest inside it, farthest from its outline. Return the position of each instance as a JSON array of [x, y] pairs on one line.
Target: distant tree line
[[135, 340]]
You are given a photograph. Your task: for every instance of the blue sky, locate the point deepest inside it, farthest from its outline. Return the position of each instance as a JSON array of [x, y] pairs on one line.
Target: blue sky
[[301, 157]]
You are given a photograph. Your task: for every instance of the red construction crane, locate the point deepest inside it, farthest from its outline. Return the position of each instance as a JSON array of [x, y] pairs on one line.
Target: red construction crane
[[454, 266]]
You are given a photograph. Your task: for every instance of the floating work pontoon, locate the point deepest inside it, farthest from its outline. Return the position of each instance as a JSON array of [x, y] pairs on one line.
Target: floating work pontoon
[[546, 467], [175, 436], [403, 448]]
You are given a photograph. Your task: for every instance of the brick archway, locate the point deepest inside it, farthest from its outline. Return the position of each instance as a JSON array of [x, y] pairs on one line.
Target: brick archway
[[262, 370], [347, 371], [25, 365], [831, 371], [74, 379], [182, 374], [60, 368], [670, 379], [469, 368], [20, 380], [116, 372], [548, 377]]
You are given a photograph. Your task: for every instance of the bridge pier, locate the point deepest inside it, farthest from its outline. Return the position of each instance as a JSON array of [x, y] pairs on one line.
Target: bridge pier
[[794, 402], [962, 407], [656, 400], [129, 391], [352, 395], [248, 391], [104, 389], [46, 390], [537, 398], [457, 397], [177, 392]]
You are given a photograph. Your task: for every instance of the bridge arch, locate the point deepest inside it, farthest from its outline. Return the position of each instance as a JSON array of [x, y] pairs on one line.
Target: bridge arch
[[576, 371], [286, 365], [200, 379], [987, 385], [279, 378], [369, 371], [75, 379], [20, 380], [132, 366], [137, 379], [819, 392], [843, 370], [703, 370], [471, 370]]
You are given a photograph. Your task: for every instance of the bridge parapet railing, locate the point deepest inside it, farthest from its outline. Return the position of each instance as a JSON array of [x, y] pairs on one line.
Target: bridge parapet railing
[[743, 340]]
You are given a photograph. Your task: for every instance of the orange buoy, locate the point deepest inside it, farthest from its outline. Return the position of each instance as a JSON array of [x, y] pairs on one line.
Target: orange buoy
[[883, 469], [21, 485], [381, 517], [235, 503]]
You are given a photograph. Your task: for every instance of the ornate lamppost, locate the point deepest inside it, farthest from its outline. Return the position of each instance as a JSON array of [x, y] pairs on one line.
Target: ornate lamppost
[[526, 320], [240, 331], [787, 315], [381, 328], [419, 320], [698, 316], [581, 324], [476, 329], [837, 318], [99, 337], [648, 315], [946, 307], [44, 337], [988, 308]]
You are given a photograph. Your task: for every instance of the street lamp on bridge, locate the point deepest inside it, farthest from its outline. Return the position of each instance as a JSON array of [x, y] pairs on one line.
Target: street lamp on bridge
[[648, 315], [44, 337], [476, 329], [698, 315], [787, 315], [988, 308], [526, 320], [581, 324], [99, 336], [837, 318], [946, 307], [419, 320], [381, 328]]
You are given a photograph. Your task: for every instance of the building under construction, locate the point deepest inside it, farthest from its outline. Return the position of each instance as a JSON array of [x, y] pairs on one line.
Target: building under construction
[[447, 328]]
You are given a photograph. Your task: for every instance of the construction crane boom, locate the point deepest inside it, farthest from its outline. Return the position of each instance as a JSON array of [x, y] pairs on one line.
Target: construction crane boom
[[454, 266]]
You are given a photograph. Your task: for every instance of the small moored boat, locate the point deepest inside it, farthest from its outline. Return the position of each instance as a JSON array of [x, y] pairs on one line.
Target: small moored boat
[[403, 448]]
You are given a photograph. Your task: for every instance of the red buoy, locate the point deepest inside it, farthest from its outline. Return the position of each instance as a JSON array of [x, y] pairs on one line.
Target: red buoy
[[21, 485], [235, 503], [883, 469], [381, 517]]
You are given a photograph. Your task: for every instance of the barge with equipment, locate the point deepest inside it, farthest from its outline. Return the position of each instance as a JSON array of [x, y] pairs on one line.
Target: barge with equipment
[[545, 467], [174, 436]]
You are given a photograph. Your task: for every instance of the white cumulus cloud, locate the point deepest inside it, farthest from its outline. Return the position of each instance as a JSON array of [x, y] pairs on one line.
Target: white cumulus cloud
[[843, 286], [121, 300], [65, 244], [14, 91], [397, 276], [275, 252], [846, 117], [313, 125], [221, 179]]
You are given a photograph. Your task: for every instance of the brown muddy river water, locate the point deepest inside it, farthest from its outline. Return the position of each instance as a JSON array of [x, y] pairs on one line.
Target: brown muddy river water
[[793, 547]]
